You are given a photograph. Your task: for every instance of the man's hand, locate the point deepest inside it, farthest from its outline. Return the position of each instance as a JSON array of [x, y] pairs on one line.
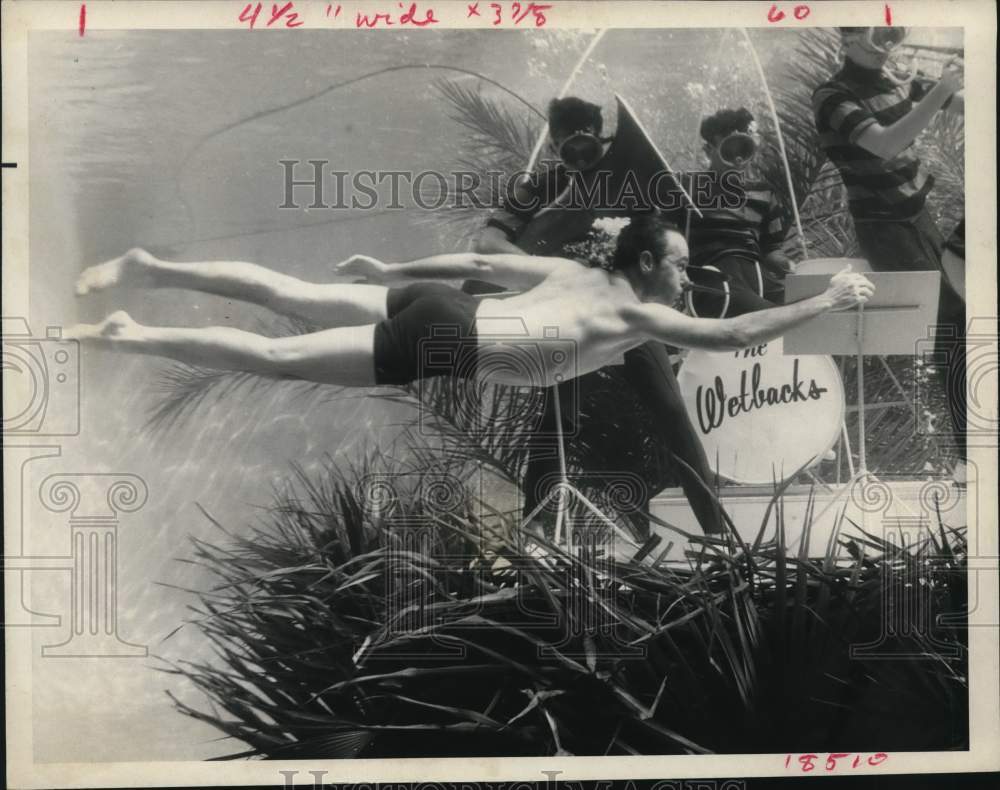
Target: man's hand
[[366, 268], [778, 261], [848, 289]]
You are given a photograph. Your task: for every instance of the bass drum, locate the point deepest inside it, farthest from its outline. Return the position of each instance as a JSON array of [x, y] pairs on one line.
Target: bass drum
[[761, 416]]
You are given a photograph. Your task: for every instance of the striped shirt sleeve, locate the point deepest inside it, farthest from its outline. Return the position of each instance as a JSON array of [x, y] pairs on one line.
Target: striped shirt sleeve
[[774, 227], [838, 111]]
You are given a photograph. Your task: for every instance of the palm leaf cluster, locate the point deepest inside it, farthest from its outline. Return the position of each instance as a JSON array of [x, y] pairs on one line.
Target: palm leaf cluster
[[365, 621], [496, 143]]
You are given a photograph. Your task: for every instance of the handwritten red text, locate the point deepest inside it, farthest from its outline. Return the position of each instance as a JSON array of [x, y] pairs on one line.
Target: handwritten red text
[[833, 761], [518, 12], [283, 14], [775, 14], [410, 16]]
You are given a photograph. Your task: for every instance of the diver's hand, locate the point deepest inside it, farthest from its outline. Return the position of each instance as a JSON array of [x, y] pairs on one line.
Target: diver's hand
[[364, 266], [951, 77], [848, 289]]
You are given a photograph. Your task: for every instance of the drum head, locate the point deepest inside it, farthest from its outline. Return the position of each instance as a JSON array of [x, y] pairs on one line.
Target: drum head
[[760, 415]]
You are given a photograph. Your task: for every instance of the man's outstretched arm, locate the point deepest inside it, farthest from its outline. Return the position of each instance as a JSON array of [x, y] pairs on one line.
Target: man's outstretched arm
[[666, 325], [510, 271]]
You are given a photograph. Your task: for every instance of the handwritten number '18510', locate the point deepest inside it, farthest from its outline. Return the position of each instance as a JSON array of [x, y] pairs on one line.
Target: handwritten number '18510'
[[807, 762]]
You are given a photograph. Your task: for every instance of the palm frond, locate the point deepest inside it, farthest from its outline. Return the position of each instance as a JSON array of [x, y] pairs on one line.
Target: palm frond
[[338, 635], [496, 142], [496, 135]]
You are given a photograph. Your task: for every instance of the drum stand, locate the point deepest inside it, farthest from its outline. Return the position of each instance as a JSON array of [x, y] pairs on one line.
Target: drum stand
[[565, 491]]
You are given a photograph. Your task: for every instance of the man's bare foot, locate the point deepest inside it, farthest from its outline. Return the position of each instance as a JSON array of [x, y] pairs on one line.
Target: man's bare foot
[[134, 268], [116, 327]]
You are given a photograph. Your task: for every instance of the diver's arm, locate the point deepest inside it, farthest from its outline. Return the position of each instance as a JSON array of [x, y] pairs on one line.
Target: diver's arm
[[511, 271], [491, 240], [666, 325], [505, 224], [889, 141]]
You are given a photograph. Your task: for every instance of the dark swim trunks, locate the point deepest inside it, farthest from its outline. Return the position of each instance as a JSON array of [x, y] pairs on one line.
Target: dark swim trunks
[[430, 331]]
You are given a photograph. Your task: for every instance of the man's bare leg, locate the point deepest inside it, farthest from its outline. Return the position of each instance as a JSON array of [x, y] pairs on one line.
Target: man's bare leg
[[322, 304], [342, 356]]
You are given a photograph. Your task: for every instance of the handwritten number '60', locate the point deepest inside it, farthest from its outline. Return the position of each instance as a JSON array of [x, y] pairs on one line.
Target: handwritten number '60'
[[800, 12]]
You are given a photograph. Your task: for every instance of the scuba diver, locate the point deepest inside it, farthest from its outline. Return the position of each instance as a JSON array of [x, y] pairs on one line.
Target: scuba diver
[[574, 128], [375, 335], [868, 120], [737, 239]]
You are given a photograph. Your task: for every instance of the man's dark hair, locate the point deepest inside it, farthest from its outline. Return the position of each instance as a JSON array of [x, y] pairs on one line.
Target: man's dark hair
[[571, 114], [725, 122], [850, 31], [645, 231]]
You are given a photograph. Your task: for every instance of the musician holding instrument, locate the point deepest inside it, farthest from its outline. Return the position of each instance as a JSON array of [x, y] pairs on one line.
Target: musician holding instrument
[[575, 129], [737, 239], [868, 120]]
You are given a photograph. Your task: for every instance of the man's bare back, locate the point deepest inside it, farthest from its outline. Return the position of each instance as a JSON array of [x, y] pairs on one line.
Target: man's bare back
[[580, 305]]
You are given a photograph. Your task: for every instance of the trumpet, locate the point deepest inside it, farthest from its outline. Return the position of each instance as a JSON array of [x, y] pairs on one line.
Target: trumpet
[[921, 63], [911, 61]]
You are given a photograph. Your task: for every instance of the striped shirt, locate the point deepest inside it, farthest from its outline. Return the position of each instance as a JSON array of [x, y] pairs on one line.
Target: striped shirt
[[853, 101], [756, 227]]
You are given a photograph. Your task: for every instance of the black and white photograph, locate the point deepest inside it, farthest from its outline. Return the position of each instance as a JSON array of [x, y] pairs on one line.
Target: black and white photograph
[[439, 391]]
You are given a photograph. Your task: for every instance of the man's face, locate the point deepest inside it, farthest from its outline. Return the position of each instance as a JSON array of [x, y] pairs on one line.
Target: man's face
[[667, 278]]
